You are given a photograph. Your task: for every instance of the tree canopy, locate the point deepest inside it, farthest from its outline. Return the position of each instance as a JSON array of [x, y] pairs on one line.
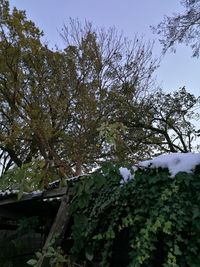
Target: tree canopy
[[181, 28], [95, 101]]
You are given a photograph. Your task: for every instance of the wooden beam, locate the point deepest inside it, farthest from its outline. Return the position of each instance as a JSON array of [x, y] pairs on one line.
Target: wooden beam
[[57, 230]]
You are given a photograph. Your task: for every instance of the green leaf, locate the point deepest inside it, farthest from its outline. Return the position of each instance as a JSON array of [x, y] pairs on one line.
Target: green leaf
[[177, 250], [167, 227], [89, 254], [196, 212], [32, 262], [98, 237], [38, 254]]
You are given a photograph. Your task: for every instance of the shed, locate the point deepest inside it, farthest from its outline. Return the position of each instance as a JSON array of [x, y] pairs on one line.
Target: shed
[[30, 223]]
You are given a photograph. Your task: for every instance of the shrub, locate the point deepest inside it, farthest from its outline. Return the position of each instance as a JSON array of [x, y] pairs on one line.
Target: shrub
[[151, 220]]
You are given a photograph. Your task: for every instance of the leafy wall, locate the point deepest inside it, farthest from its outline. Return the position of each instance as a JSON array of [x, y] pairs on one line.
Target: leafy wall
[[151, 220]]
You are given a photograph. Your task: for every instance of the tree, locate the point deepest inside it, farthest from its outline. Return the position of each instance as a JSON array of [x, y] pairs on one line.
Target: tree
[[54, 102], [181, 28], [172, 118], [95, 101], [28, 73], [111, 66], [161, 122]]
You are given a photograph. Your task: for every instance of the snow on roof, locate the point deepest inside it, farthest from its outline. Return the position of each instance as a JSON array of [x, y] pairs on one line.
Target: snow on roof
[[125, 173], [175, 162], [53, 185], [11, 192], [8, 192]]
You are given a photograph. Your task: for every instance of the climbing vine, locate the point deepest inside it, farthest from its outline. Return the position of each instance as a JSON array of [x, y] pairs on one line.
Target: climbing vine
[[151, 220]]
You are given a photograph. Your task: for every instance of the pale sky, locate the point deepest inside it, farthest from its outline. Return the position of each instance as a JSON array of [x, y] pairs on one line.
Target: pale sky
[[129, 16]]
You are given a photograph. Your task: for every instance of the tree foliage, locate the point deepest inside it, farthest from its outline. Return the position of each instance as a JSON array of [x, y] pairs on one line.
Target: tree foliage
[[172, 119], [181, 28], [162, 122], [69, 110], [53, 102]]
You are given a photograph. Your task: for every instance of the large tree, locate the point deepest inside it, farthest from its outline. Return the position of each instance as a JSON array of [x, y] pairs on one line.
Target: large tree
[[93, 101], [110, 67], [54, 102]]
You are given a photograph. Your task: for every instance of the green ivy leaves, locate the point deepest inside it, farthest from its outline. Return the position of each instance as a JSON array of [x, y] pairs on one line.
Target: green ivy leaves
[[156, 216]]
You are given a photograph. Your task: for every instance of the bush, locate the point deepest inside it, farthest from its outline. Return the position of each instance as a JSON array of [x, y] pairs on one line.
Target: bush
[[151, 220]]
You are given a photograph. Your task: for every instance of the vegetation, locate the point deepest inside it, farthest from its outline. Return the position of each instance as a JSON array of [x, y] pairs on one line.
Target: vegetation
[[96, 103], [54, 102], [68, 111], [151, 220], [181, 28]]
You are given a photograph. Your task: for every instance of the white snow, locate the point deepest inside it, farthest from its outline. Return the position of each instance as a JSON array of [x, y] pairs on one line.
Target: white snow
[[8, 192], [125, 173], [175, 162], [37, 193]]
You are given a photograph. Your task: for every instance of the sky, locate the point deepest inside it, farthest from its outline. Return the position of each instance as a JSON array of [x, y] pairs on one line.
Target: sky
[[129, 16]]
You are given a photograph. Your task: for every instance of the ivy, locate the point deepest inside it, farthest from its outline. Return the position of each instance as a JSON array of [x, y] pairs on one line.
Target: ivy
[[152, 219]]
